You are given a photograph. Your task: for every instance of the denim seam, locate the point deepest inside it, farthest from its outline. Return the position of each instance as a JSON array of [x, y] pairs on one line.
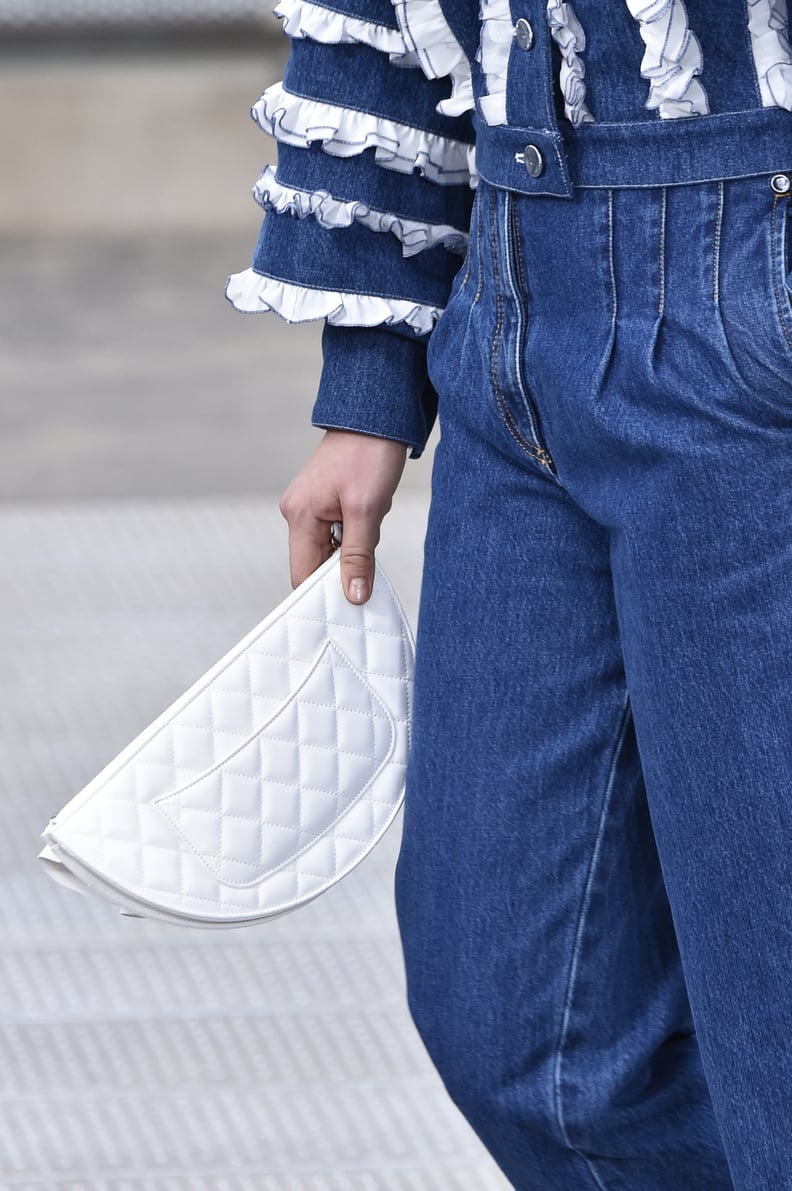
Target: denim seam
[[726, 119], [611, 262], [510, 210], [506, 415], [381, 432], [355, 16], [468, 252], [774, 263], [716, 247], [579, 930], [479, 265], [716, 177], [662, 253], [532, 450]]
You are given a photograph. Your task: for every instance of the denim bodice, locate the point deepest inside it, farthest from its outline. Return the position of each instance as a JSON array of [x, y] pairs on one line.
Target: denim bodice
[[390, 111]]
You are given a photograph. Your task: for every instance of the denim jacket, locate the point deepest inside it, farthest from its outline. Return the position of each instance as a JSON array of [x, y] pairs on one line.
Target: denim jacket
[[390, 111]]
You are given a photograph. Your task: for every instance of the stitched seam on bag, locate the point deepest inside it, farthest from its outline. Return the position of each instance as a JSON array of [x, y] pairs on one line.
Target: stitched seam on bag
[[161, 800], [293, 698], [326, 623], [254, 736], [291, 861], [297, 874], [254, 694], [265, 822]]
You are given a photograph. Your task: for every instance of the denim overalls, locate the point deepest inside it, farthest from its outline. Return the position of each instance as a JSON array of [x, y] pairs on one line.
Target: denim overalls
[[595, 883], [594, 888]]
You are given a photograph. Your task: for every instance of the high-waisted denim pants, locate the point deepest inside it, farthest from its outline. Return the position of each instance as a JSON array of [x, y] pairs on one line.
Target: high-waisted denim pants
[[595, 883]]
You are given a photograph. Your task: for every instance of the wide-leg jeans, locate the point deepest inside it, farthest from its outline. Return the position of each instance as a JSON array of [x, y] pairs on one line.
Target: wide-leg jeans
[[594, 888]]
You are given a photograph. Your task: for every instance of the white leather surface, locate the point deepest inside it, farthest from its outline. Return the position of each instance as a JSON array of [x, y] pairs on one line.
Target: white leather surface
[[268, 780]]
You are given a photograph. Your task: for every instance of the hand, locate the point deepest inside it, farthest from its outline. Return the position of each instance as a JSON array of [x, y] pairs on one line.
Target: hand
[[350, 477]]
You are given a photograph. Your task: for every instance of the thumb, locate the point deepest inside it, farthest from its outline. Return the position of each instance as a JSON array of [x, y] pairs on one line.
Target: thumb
[[358, 543]]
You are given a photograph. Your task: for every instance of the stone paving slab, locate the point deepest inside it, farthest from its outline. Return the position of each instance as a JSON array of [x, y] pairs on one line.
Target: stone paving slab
[[124, 372], [137, 1056], [132, 141]]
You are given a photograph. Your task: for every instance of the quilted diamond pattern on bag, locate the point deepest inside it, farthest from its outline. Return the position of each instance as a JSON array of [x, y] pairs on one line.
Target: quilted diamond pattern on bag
[[267, 781]]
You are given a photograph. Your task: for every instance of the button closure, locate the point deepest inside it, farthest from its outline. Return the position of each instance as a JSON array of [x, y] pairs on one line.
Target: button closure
[[525, 34], [532, 159], [781, 183]]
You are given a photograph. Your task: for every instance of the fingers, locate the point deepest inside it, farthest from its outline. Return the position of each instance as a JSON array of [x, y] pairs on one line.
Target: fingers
[[361, 535], [351, 477], [309, 546]]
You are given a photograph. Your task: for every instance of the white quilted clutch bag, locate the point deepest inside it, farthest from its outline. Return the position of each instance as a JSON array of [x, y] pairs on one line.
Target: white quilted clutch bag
[[266, 782]]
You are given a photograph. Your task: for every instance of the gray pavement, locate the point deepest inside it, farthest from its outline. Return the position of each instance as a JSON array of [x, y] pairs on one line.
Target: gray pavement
[[124, 371], [145, 433]]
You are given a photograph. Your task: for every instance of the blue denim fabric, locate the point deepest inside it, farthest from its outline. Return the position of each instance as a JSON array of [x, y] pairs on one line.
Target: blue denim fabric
[[362, 180], [384, 401], [303, 252], [629, 144], [595, 887], [363, 80]]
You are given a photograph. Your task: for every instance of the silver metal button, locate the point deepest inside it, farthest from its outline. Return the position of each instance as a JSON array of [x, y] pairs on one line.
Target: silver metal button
[[781, 183], [524, 33], [532, 159]]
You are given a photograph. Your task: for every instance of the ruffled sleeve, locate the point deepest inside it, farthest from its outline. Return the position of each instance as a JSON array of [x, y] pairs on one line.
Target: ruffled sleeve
[[367, 212]]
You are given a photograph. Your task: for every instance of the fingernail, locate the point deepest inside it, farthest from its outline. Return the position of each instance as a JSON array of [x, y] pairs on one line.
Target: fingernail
[[358, 590]]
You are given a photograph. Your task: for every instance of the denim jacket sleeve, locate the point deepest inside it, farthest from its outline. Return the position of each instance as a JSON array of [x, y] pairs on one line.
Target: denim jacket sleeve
[[368, 209]]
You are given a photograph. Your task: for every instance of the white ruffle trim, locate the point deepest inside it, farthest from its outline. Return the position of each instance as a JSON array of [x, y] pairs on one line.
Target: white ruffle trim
[[253, 293], [567, 32], [428, 36], [497, 31], [331, 212], [346, 132], [672, 59], [769, 27], [302, 19]]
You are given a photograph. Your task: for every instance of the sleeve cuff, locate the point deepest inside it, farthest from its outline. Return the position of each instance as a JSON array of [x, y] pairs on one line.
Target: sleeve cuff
[[375, 381]]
